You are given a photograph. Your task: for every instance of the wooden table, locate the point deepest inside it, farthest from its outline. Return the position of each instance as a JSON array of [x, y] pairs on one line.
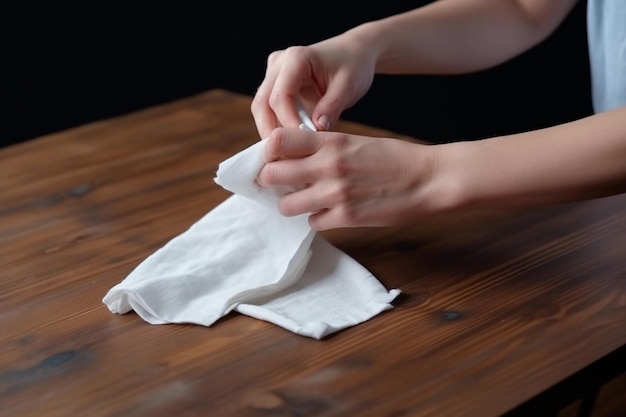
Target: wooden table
[[498, 307]]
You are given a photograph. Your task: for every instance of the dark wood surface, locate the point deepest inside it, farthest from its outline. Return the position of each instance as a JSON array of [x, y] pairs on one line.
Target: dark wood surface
[[497, 307]]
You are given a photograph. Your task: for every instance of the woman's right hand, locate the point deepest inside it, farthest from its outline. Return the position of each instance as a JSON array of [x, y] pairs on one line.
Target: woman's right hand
[[327, 77]]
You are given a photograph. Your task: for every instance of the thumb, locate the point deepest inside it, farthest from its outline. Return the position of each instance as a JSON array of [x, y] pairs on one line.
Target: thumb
[[331, 104]]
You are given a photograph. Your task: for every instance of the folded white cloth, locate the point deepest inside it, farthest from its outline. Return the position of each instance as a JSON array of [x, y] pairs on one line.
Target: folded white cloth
[[244, 255]]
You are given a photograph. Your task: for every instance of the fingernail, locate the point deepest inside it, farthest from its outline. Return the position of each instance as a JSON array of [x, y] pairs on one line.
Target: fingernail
[[324, 122]]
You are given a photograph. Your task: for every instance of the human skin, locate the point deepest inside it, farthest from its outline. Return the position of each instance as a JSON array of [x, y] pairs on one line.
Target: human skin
[[348, 181], [444, 37]]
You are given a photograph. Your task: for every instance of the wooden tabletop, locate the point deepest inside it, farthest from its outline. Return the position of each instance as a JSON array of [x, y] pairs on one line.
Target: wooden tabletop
[[497, 307]]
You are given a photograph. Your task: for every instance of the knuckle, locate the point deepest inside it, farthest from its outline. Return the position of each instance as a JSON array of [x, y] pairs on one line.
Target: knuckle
[[275, 143], [338, 168], [340, 141], [275, 99], [339, 165], [296, 52], [268, 175], [286, 207], [273, 57]]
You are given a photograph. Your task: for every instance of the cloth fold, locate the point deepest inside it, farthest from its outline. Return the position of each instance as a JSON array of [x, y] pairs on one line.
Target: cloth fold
[[244, 255]]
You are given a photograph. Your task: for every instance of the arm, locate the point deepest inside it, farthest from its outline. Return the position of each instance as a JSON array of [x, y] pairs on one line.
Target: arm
[[359, 181], [447, 36], [579, 160], [456, 36]]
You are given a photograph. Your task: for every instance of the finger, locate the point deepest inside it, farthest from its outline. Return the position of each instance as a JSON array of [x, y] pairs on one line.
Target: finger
[[263, 115], [329, 107], [322, 220], [306, 200], [290, 143], [289, 172], [330, 206], [295, 73], [326, 220]]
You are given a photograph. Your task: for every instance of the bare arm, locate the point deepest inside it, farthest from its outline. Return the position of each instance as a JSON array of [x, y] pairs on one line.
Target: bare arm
[[444, 37], [573, 161], [347, 180], [456, 36]]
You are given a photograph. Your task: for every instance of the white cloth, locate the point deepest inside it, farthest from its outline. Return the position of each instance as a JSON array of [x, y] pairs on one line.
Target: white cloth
[[244, 255]]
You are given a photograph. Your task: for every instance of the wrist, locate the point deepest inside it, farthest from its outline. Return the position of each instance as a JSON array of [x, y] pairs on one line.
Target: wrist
[[447, 187]]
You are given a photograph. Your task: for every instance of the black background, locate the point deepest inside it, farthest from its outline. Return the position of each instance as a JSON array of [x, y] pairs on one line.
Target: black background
[[65, 63]]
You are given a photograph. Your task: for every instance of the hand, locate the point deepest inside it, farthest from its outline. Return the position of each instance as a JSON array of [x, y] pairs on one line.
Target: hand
[[347, 180], [328, 77]]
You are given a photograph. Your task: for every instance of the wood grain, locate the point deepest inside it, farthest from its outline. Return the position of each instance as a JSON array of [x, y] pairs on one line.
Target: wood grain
[[496, 307]]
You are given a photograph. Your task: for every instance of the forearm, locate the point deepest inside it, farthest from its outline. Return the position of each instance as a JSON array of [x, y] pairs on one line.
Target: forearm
[[578, 160], [456, 36]]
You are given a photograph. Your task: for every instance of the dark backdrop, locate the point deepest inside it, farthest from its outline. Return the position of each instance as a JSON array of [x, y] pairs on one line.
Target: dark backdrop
[[65, 63]]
